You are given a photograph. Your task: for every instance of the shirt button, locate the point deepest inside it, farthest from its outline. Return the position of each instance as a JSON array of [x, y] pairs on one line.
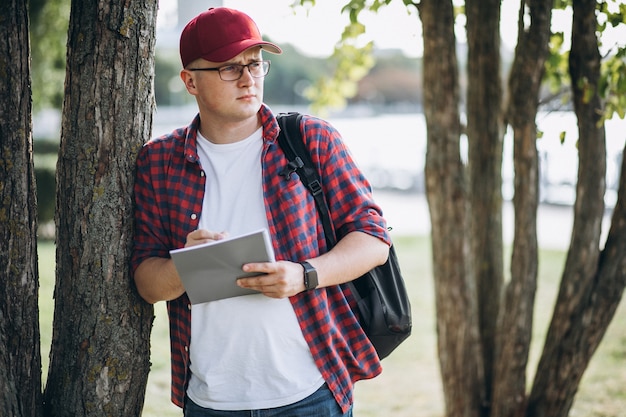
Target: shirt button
[[202, 173], [186, 348], [193, 216]]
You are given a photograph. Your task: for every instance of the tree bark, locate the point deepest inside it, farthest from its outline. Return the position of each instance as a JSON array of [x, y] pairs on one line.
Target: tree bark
[[593, 282], [20, 355], [99, 359], [485, 132], [446, 191]]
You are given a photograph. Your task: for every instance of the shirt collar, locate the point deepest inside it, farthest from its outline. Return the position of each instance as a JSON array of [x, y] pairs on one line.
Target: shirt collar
[[191, 140], [268, 122]]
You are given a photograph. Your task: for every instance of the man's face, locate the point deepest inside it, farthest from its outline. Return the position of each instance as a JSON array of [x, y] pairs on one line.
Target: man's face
[[232, 100]]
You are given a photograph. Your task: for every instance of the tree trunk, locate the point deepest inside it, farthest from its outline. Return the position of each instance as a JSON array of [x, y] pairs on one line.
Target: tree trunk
[[485, 133], [20, 355], [99, 360], [446, 191], [515, 321], [592, 282]]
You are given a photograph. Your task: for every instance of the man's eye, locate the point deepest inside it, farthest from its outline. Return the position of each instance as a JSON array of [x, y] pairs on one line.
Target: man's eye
[[253, 65], [230, 69]]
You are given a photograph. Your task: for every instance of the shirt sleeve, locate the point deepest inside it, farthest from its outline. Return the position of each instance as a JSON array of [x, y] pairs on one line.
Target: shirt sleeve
[[348, 192], [150, 235]]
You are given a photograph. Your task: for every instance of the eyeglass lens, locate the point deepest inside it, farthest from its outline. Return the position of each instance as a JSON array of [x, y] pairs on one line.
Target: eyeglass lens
[[235, 71]]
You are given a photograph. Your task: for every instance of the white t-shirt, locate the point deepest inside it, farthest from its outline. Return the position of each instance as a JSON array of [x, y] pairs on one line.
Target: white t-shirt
[[246, 352]]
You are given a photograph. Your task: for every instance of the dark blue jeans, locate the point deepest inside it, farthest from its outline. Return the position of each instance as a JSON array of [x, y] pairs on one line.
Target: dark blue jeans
[[319, 404]]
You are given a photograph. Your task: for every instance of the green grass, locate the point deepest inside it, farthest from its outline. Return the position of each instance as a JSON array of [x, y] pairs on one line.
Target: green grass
[[410, 384]]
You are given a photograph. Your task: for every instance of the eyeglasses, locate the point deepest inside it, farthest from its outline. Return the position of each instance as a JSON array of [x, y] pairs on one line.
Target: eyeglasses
[[233, 72]]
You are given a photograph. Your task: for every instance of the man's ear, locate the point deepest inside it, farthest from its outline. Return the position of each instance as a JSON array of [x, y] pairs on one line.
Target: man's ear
[[189, 80]]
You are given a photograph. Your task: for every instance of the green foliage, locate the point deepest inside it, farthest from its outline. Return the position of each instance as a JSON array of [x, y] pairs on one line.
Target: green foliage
[[46, 189], [562, 4], [45, 161], [612, 84], [49, 21], [290, 75], [166, 77], [557, 68], [355, 7], [351, 64], [350, 61], [613, 12]]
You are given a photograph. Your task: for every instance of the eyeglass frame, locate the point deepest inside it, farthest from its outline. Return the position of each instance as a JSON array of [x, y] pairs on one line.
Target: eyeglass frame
[[265, 64]]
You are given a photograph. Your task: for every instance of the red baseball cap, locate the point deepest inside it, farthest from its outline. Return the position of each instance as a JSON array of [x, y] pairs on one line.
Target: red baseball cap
[[219, 34]]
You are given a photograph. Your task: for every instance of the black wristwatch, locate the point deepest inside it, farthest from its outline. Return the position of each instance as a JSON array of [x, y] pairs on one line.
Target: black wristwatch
[[310, 276]]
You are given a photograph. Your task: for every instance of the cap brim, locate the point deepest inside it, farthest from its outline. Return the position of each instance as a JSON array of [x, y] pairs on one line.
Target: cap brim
[[270, 47], [229, 51]]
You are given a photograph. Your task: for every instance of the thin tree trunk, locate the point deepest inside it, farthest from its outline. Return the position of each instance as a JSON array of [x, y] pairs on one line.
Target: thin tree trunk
[[446, 190], [516, 320], [485, 133], [100, 354], [592, 283], [20, 355]]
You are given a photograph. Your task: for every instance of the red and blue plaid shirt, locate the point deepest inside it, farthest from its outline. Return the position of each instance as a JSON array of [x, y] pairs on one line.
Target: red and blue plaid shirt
[[169, 190]]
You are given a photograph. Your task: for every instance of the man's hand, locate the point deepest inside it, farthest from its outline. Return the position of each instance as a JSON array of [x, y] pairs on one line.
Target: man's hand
[[282, 279], [200, 236], [157, 278], [355, 254]]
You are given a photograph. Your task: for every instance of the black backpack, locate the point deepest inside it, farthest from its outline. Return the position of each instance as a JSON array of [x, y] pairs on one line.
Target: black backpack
[[383, 307]]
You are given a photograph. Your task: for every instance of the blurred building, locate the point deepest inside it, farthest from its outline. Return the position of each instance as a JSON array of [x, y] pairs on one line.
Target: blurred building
[[187, 9], [173, 15]]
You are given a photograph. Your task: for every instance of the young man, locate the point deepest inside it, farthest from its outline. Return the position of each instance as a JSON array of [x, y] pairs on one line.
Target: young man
[[291, 350]]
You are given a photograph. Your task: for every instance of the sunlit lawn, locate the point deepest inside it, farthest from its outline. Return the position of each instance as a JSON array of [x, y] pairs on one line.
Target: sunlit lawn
[[410, 385]]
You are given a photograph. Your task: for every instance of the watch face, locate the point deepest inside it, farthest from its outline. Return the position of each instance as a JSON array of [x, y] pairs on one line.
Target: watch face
[[310, 276], [312, 280]]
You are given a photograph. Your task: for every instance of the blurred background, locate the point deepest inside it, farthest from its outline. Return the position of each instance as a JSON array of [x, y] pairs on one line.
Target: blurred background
[[383, 123]]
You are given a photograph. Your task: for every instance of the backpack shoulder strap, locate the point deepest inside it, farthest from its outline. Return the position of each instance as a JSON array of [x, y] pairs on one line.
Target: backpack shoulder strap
[[291, 142]]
